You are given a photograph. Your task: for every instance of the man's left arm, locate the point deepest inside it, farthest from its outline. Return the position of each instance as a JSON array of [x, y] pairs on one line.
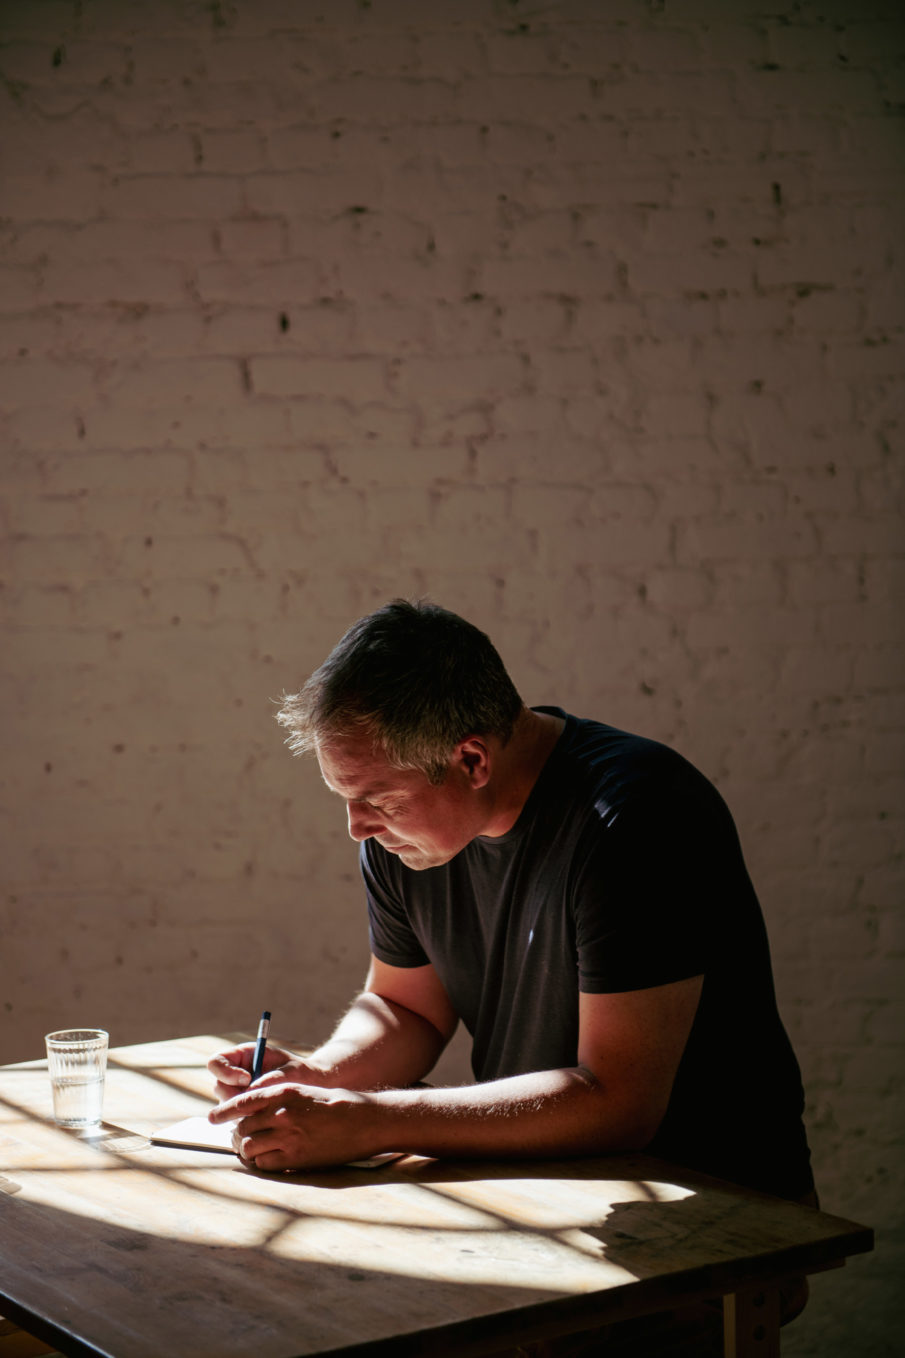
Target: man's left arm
[[629, 1049]]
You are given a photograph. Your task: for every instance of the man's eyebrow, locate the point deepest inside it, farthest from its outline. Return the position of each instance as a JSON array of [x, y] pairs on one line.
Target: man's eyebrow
[[379, 789]]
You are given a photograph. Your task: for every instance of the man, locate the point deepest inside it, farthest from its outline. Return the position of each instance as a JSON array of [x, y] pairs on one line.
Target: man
[[574, 894]]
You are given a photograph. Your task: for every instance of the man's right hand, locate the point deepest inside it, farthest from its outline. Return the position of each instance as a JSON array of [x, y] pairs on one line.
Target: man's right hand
[[232, 1070], [389, 1038]]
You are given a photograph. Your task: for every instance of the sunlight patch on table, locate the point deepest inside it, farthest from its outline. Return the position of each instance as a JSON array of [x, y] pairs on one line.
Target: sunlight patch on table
[[551, 1265], [579, 1202]]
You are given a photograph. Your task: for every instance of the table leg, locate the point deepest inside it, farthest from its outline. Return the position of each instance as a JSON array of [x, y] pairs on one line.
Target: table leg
[[15, 1343], [751, 1324]]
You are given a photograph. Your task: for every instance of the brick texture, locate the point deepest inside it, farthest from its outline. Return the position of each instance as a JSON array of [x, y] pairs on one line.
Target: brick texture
[[585, 319]]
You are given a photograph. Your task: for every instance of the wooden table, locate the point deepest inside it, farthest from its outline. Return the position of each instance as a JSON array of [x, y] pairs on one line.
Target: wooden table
[[110, 1245]]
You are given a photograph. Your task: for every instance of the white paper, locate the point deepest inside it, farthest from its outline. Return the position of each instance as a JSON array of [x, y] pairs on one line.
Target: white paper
[[198, 1134]]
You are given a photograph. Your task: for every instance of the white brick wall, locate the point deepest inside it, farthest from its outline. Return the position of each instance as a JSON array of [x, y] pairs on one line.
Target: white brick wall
[[585, 319]]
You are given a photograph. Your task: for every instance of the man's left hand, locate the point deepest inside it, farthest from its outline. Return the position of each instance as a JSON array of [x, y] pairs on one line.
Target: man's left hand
[[292, 1126]]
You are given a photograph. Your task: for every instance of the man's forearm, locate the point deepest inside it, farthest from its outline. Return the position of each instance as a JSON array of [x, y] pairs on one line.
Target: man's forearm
[[614, 1098], [377, 1045], [554, 1112], [548, 1113]]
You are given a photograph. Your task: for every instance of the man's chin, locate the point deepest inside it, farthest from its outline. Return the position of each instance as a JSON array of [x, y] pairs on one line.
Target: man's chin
[[416, 859]]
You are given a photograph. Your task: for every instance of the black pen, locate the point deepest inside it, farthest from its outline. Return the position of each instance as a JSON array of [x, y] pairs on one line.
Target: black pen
[[257, 1064]]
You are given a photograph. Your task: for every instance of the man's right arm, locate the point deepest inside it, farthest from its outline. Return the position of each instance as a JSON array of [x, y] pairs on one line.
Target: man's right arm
[[380, 1043]]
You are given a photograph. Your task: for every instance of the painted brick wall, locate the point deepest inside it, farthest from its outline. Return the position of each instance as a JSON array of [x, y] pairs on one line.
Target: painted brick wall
[[584, 318]]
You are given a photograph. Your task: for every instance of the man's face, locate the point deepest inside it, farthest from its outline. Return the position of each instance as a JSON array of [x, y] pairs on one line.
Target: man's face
[[424, 824]]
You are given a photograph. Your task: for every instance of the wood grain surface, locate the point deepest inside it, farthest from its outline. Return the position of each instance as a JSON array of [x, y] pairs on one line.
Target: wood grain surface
[[111, 1245]]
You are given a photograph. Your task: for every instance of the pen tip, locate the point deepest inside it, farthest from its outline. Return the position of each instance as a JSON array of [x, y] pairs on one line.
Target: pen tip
[[266, 1014]]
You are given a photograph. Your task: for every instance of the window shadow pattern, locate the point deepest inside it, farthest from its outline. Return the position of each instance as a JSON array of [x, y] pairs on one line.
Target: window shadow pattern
[[113, 1244]]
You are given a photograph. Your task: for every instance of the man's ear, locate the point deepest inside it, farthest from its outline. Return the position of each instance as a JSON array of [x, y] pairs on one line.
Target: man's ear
[[473, 757]]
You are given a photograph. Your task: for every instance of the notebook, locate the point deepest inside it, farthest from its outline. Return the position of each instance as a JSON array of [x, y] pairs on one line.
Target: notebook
[[197, 1133]]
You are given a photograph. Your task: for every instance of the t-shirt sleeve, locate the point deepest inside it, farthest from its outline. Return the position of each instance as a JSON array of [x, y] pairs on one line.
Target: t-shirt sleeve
[[392, 938], [645, 896]]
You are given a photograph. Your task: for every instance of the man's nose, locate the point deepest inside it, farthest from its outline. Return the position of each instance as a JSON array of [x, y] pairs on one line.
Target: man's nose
[[363, 822]]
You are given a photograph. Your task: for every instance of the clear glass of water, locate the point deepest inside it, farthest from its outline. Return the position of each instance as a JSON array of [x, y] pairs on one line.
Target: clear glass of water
[[77, 1061]]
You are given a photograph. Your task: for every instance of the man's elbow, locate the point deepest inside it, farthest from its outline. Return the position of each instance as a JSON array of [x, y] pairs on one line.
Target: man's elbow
[[640, 1131], [625, 1120], [633, 1129]]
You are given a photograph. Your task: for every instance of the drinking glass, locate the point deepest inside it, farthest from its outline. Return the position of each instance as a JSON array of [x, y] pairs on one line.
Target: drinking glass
[[77, 1061]]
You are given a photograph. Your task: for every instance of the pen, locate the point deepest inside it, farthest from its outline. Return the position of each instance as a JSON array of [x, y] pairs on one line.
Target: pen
[[257, 1064]]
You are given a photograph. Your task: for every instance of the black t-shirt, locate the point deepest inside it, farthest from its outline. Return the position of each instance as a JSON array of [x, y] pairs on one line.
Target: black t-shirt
[[623, 871]]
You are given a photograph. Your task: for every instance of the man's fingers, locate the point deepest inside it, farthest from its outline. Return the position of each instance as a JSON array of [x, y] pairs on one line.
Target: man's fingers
[[265, 1150], [224, 1092], [261, 1147], [231, 1056], [231, 1067], [239, 1106], [251, 1103], [249, 1145], [271, 1160], [273, 1077], [242, 1080], [232, 1079]]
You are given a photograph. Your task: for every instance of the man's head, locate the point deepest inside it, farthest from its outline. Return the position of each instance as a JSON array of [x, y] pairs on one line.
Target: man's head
[[414, 678]]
